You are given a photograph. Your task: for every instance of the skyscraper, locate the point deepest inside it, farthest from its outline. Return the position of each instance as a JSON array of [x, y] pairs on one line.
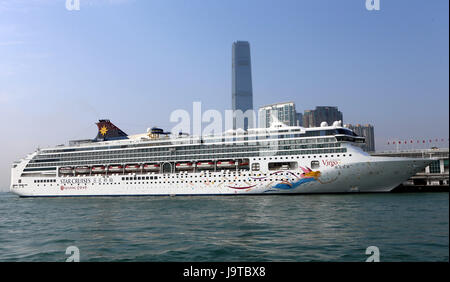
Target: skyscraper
[[242, 91], [281, 112], [367, 132], [313, 118], [299, 119]]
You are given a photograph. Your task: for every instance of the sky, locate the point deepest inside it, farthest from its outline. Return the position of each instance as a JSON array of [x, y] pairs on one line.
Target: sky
[[136, 61]]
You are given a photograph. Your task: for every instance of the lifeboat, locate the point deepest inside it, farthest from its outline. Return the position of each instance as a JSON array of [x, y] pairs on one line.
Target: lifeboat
[[98, 169], [205, 165], [132, 167], [82, 169], [115, 168], [226, 164], [181, 166], [151, 167], [243, 164], [66, 170]]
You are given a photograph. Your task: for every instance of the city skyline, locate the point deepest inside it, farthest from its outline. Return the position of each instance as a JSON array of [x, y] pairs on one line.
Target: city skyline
[[61, 71]]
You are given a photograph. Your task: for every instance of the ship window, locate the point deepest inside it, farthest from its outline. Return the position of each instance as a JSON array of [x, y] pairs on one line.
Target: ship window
[[315, 164], [255, 166], [282, 165], [435, 167]]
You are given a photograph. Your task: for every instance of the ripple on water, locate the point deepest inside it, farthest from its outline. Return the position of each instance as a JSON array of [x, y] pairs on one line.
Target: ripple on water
[[405, 227]]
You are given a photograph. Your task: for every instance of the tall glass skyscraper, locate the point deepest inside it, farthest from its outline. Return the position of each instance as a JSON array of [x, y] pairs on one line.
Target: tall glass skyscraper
[[242, 91]]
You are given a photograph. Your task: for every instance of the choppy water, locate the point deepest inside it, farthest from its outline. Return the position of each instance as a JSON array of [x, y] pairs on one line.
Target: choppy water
[[405, 227]]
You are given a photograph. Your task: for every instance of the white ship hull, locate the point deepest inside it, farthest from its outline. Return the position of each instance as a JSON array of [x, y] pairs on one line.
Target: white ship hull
[[374, 174]]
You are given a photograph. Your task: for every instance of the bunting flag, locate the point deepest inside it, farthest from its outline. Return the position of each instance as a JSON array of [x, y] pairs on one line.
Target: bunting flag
[[417, 141]]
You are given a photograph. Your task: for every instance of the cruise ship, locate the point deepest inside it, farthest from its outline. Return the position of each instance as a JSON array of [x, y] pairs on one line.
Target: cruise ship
[[276, 160]]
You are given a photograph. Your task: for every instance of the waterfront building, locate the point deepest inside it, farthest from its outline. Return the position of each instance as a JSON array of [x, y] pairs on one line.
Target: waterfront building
[[436, 175]]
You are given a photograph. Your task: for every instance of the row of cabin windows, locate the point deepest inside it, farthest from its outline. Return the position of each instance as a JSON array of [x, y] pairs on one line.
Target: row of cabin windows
[[139, 178], [45, 181], [314, 164], [303, 157], [200, 149], [178, 152], [298, 157], [244, 154]]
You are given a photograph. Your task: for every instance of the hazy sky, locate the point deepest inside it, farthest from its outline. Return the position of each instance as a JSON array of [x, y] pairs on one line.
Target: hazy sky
[[136, 61]]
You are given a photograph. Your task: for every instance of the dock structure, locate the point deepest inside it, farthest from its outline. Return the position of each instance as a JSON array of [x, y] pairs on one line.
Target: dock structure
[[434, 177]]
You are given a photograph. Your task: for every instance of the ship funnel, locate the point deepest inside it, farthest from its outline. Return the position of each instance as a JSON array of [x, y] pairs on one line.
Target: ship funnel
[[108, 131]]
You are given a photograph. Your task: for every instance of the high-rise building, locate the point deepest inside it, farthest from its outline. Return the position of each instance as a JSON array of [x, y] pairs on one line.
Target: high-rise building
[[242, 91], [313, 118], [299, 119], [367, 132], [281, 112]]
